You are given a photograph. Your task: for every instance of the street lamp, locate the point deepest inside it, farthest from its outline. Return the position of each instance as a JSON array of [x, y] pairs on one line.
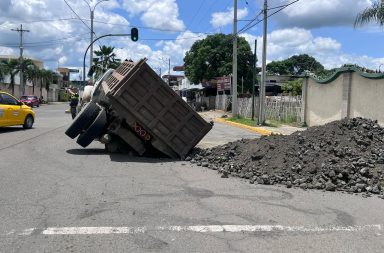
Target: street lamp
[[92, 10]]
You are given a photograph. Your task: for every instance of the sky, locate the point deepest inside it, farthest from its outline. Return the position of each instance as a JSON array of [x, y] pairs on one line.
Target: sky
[[59, 30]]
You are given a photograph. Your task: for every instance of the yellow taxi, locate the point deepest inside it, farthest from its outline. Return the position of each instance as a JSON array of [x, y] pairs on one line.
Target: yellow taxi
[[13, 112]]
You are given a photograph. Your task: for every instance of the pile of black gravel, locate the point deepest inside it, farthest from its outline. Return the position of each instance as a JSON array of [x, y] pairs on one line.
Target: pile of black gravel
[[345, 155]]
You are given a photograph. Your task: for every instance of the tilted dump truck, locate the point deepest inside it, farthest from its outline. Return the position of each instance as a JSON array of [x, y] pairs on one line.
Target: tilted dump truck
[[133, 107]]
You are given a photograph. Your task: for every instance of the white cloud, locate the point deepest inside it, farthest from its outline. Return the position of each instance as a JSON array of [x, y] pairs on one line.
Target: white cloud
[[159, 59], [156, 14], [318, 13], [134, 7], [220, 19], [175, 49], [62, 60], [284, 43], [50, 39], [6, 51]]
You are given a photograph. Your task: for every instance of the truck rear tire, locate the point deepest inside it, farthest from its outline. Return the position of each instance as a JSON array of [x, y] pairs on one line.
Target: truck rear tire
[[94, 130], [83, 120]]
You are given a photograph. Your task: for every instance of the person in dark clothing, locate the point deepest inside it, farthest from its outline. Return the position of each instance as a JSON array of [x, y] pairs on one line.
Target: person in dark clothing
[[73, 101]]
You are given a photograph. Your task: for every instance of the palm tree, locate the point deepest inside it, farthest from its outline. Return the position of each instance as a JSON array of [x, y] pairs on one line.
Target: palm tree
[[4, 70], [106, 59], [375, 13], [12, 69], [32, 73], [24, 66], [47, 77]]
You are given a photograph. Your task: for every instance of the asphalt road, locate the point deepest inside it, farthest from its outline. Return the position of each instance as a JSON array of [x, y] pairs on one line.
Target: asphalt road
[[58, 197]]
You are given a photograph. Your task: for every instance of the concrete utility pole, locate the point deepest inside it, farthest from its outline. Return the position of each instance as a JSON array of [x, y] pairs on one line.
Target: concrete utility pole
[[91, 54], [234, 64], [92, 11], [263, 68], [254, 81], [21, 87]]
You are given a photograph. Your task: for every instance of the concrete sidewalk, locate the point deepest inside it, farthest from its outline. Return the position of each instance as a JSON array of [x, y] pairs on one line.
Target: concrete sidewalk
[[221, 116]]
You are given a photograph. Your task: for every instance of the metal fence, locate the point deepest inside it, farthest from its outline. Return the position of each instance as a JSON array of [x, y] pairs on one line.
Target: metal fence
[[281, 108], [284, 108]]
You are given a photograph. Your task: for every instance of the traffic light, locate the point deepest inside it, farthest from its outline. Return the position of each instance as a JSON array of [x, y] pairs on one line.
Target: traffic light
[[134, 34]]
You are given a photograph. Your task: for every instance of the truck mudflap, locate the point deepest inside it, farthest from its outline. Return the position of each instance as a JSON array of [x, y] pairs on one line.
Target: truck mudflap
[[138, 95]]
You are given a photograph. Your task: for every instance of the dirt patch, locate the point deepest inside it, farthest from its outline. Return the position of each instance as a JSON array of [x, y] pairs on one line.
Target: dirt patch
[[345, 155]]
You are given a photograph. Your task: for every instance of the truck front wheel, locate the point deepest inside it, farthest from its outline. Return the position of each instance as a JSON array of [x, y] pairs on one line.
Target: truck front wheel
[[94, 130], [83, 120]]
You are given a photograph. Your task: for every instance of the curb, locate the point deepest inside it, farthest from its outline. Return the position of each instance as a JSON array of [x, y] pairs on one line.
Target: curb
[[258, 130]]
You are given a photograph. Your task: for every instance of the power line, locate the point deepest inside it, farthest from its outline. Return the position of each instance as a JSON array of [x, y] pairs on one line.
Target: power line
[[140, 27], [208, 10], [250, 22], [77, 15], [44, 42], [198, 10], [195, 37], [62, 40], [226, 8], [103, 22], [281, 8], [50, 20]]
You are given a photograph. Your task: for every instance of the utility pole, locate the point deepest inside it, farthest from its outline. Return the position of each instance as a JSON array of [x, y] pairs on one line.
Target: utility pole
[[91, 54], [263, 68], [21, 87], [92, 12], [254, 81], [234, 64]]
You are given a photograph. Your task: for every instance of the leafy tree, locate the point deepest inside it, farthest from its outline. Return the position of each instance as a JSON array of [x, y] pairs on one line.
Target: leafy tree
[[295, 65], [375, 13], [212, 57], [106, 59], [293, 88], [300, 63], [278, 68]]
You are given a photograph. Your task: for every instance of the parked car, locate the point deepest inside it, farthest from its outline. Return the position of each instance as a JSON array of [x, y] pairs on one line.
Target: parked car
[[14, 112], [30, 100]]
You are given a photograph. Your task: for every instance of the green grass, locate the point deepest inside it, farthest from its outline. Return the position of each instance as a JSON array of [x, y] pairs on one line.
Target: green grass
[[244, 121], [273, 123], [269, 123]]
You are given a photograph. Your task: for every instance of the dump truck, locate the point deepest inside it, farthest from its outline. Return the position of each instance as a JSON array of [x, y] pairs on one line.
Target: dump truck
[[132, 108]]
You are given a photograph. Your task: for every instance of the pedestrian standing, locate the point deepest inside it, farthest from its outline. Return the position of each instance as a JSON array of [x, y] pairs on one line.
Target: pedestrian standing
[[74, 100]]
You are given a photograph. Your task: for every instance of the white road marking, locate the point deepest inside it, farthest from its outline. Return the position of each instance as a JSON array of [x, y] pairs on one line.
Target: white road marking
[[197, 229]]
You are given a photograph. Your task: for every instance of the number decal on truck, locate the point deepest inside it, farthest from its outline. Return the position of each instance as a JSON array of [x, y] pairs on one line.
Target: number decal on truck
[[141, 132]]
